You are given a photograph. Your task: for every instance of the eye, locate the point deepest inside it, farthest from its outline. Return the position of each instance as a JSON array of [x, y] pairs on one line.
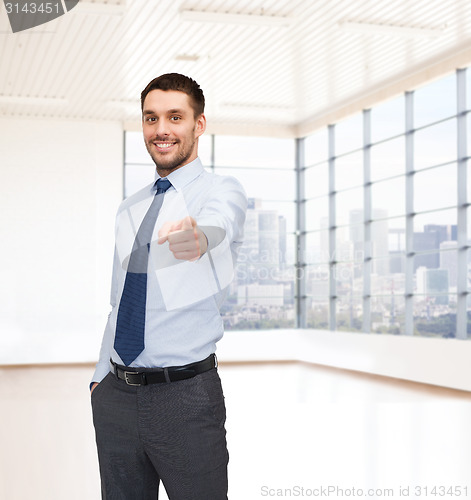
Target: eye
[[175, 118], [151, 119]]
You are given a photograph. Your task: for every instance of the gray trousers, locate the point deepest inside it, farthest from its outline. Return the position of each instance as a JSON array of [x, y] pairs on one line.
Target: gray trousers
[[171, 432]]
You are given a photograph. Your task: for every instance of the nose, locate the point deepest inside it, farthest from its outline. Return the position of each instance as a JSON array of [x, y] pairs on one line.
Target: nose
[[161, 128]]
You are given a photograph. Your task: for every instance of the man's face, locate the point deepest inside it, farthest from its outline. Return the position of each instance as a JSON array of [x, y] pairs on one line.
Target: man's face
[[170, 129]]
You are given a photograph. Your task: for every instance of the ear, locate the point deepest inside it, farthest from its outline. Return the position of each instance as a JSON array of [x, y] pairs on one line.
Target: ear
[[200, 125]]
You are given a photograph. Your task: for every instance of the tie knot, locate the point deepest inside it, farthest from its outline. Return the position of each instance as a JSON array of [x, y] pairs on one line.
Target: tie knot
[[163, 185]]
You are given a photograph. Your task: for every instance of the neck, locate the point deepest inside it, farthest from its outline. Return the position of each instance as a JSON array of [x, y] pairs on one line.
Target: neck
[[164, 172]]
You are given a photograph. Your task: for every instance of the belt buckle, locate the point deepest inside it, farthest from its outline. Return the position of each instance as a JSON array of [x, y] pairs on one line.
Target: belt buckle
[[126, 374]]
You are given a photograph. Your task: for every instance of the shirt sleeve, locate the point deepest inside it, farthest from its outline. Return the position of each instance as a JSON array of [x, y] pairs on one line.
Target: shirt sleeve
[[223, 213]]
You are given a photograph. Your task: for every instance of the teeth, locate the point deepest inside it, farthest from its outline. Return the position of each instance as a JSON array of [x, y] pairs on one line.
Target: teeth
[[164, 144]]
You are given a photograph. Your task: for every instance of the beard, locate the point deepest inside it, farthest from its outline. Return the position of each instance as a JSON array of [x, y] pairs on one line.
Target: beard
[[171, 162]]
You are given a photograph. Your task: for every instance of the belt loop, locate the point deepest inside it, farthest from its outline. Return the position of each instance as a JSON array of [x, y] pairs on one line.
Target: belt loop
[[166, 375], [115, 368]]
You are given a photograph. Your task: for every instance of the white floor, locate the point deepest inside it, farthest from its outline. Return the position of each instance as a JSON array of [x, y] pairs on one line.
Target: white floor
[[293, 431]]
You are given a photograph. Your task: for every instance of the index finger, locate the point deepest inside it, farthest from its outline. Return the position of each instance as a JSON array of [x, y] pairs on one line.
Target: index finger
[[166, 229]]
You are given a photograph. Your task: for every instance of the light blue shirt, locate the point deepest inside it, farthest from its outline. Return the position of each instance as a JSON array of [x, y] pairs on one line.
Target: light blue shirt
[[183, 321]]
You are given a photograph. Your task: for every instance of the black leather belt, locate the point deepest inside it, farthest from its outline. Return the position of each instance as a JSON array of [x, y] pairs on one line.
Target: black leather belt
[[132, 376]]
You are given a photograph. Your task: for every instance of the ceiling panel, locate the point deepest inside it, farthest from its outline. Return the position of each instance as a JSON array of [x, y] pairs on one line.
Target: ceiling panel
[[93, 62]]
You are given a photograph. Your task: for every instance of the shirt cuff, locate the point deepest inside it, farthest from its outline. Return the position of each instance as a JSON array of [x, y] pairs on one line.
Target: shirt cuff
[[214, 235]]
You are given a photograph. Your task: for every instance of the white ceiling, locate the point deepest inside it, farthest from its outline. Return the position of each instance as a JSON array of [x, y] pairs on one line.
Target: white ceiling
[[93, 62]]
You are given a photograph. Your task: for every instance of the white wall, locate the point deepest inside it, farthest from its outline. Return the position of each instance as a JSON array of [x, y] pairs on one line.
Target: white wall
[[60, 185], [441, 362]]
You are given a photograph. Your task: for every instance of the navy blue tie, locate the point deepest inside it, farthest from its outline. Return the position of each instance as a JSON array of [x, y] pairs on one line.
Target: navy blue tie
[[131, 321]]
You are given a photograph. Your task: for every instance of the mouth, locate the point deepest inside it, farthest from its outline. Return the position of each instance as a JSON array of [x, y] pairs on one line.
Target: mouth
[[164, 146]]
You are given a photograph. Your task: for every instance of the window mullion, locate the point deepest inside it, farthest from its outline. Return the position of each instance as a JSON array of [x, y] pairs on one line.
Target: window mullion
[[462, 264], [301, 315], [332, 231], [409, 265], [367, 216]]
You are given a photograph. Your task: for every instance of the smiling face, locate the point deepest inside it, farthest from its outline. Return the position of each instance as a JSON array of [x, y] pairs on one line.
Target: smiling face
[[170, 129]]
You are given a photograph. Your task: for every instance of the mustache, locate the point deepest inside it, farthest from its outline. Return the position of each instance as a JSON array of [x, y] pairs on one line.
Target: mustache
[[163, 139]]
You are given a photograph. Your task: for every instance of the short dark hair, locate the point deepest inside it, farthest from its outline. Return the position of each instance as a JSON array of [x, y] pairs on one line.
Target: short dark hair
[[181, 83]]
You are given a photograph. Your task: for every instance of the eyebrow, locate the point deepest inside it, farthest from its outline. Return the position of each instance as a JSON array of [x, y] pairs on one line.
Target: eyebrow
[[170, 111]]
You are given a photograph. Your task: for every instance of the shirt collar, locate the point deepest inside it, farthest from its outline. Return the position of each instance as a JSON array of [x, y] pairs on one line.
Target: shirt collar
[[183, 175]]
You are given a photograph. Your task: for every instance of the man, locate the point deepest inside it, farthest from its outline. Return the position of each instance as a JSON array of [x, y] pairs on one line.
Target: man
[[158, 406]]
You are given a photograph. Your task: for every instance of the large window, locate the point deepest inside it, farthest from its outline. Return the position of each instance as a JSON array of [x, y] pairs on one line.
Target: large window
[[384, 212], [262, 294], [362, 226]]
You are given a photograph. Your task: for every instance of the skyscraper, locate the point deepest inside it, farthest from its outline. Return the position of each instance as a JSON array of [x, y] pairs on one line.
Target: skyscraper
[[379, 238], [430, 239], [449, 261], [433, 284]]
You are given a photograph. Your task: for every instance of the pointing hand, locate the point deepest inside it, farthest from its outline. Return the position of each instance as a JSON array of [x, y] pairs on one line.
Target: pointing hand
[[185, 239]]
